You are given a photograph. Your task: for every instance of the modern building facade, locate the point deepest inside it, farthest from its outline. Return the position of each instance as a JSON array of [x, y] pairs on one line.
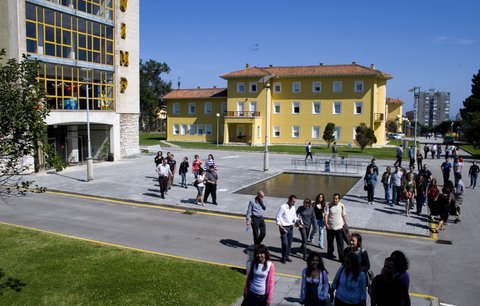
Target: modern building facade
[[295, 103], [433, 107], [88, 53]]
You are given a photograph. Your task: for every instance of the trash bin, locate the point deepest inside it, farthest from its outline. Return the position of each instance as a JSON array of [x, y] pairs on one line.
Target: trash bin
[[327, 166]]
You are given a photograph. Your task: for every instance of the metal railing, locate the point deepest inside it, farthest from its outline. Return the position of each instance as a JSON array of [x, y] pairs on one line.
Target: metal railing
[[330, 164], [243, 114]]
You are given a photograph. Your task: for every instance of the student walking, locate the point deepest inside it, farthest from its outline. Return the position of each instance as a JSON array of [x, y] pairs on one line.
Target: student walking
[[370, 180], [473, 172], [387, 185], [308, 149], [335, 219], [286, 218], [260, 280], [307, 222], [314, 289], [254, 216], [319, 208]]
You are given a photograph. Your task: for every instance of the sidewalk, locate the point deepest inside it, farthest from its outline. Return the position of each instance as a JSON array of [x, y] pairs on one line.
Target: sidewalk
[[135, 179]]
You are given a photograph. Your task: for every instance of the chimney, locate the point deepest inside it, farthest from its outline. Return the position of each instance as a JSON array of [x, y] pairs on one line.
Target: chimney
[[354, 63], [321, 64], [247, 65], [372, 67], [271, 65], [198, 87], [214, 86]]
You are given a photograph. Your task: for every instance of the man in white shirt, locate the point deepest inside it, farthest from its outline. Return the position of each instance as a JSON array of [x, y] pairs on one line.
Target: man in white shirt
[[164, 173], [286, 218], [335, 217]]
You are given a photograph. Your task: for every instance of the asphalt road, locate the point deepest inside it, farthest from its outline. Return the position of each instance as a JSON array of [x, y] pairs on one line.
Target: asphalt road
[[446, 271]]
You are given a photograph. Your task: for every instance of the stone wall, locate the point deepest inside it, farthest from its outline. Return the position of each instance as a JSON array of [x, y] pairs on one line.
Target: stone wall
[[129, 135]]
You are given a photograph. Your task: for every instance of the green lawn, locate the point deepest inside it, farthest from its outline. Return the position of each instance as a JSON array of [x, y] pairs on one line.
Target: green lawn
[[64, 271], [150, 139], [470, 149]]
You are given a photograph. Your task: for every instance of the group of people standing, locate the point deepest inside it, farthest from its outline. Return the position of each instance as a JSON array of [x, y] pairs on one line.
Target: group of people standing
[[349, 286], [205, 176]]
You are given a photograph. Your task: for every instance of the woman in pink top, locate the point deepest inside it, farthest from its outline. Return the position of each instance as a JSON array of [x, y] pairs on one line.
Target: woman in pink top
[[196, 165], [260, 280]]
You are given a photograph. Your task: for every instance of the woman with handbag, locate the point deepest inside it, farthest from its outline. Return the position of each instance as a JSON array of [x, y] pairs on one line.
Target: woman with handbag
[[362, 255], [258, 289], [314, 290], [350, 284]]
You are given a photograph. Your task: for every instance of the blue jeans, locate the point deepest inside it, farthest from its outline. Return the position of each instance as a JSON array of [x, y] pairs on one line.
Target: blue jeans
[[387, 192], [473, 180], [321, 228], [286, 239], [397, 194], [184, 179]]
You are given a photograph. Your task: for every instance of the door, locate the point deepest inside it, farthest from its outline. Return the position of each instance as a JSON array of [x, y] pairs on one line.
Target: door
[[252, 108], [240, 108]]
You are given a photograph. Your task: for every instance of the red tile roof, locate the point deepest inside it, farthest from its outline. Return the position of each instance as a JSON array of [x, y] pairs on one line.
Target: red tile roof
[[196, 93], [393, 101], [296, 71]]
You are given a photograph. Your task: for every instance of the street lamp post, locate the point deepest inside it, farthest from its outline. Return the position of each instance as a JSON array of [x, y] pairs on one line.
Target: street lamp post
[[89, 141], [267, 86], [416, 96], [218, 119]]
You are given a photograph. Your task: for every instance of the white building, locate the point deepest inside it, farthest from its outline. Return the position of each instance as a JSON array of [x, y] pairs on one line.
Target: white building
[[81, 45]]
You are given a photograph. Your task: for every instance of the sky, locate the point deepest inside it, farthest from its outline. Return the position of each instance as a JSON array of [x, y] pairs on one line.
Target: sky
[[422, 43]]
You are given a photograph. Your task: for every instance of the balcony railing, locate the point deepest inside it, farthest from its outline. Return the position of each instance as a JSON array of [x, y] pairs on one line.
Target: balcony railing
[[378, 117], [243, 114]]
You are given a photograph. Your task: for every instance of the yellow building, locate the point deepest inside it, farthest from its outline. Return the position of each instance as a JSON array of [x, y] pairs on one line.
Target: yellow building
[[394, 111], [196, 114], [296, 103]]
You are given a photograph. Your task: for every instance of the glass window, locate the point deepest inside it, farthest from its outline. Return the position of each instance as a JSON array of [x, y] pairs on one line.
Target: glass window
[[241, 87], [296, 108], [336, 133], [358, 86], [253, 86], [208, 108], [192, 108], [295, 131], [337, 108], [276, 131], [315, 132], [176, 108], [200, 130], [276, 108], [316, 108], [337, 86], [193, 129], [316, 86], [208, 129], [296, 87], [176, 129], [277, 87], [358, 108]]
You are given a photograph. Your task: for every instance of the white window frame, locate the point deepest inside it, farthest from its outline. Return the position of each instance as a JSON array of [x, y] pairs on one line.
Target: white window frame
[[296, 87], [192, 129], [314, 111], [176, 108], [200, 129], [316, 87], [253, 86], [208, 108], [241, 87], [295, 131], [337, 133], [277, 87], [192, 108], [208, 129], [275, 105], [337, 86], [176, 129], [316, 130], [359, 86], [355, 106], [295, 104], [241, 108], [252, 107], [334, 109], [276, 131], [183, 129]]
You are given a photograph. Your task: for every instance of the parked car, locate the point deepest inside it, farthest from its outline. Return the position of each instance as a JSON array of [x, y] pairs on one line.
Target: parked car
[[396, 135]]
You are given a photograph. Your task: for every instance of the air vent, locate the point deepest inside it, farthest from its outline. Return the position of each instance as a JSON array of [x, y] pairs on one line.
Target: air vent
[[447, 242]]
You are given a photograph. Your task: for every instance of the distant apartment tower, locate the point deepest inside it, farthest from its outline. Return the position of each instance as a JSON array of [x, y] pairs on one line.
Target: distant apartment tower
[[433, 107]]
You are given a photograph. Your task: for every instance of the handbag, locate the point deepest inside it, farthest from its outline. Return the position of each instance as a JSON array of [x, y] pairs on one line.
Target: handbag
[[365, 187]]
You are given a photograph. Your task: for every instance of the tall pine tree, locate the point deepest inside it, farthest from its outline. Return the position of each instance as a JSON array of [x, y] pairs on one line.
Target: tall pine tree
[[471, 113]]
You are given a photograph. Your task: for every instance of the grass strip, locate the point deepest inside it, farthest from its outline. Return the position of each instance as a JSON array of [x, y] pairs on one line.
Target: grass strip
[[64, 271]]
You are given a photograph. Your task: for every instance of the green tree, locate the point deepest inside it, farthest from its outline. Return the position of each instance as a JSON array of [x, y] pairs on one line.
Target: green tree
[[444, 127], [328, 133], [391, 126], [471, 113], [364, 136], [22, 116], [152, 88]]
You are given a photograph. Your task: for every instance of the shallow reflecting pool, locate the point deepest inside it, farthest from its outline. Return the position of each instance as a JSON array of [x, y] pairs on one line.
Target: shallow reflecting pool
[[302, 185]]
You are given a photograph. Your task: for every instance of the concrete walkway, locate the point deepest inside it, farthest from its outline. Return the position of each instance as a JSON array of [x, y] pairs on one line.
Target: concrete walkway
[[135, 179]]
